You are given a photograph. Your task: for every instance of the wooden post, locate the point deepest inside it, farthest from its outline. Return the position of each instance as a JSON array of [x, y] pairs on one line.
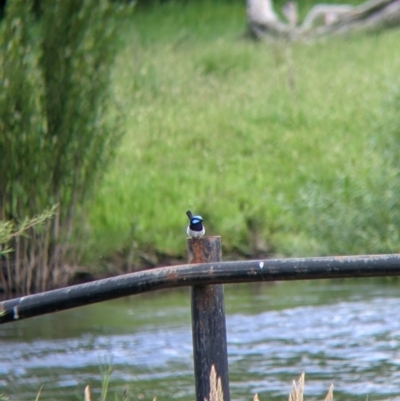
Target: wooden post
[[208, 326]]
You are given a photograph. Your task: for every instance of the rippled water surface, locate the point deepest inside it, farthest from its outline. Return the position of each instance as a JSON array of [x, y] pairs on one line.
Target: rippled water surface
[[345, 332]]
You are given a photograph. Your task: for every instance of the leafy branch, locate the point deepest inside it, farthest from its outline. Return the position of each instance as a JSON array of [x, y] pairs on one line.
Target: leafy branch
[[11, 229]]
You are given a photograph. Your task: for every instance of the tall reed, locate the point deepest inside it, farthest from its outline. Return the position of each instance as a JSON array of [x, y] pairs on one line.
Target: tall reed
[[54, 138]]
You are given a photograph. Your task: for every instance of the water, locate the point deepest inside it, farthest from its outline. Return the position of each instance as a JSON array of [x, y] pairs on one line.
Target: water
[[345, 332]]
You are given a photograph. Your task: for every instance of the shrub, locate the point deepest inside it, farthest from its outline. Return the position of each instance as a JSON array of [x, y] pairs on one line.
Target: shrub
[[53, 134]]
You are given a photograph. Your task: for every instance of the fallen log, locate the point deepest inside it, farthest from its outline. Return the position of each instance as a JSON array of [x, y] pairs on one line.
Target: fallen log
[[321, 20]]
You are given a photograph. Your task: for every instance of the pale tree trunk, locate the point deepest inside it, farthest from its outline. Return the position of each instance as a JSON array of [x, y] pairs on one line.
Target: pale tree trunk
[[321, 20]]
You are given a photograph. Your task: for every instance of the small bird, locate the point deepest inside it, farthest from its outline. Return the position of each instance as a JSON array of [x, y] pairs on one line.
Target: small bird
[[195, 228]]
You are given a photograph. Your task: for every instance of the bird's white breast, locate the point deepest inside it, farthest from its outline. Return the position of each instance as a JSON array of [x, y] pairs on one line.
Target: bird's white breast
[[195, 234]]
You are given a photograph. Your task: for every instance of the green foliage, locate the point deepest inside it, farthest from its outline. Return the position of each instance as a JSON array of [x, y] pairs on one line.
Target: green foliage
[[57, 131], [361, 213], [303, 6], [76, 65], [8, 229], [287, 150], [21, 122]]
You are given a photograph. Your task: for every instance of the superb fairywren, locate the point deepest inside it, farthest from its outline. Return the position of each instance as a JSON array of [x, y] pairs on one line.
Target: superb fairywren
[[195, 228]]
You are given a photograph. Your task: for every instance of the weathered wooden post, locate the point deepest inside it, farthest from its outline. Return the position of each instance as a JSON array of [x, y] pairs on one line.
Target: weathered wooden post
[[208, 326]]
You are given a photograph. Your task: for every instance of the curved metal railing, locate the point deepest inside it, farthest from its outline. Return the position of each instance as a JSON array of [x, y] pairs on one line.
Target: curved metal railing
[[198, 274]]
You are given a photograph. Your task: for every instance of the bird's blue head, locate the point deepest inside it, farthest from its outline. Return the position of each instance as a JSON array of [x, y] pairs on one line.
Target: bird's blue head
[[196, 222]]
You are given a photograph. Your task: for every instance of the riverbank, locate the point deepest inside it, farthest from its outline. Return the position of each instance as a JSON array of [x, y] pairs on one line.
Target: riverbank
[[289, 150]]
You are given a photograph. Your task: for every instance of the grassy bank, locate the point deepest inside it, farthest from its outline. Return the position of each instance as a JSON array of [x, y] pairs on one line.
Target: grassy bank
[[288, 149]]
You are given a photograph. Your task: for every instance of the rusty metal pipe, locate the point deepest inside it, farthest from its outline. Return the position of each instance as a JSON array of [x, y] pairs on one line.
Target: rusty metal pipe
[[199, 274]]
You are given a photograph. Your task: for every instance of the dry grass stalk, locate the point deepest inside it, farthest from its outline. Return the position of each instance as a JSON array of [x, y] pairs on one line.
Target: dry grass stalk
[[216, 393], [329, 395], [88, 397], [297, 389], [38, 394]]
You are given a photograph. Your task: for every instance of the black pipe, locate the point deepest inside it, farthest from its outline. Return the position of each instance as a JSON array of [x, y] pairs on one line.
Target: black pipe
[[199, 274]]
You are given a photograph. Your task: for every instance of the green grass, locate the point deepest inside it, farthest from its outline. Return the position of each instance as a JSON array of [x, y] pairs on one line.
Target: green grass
[[291, 148]]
